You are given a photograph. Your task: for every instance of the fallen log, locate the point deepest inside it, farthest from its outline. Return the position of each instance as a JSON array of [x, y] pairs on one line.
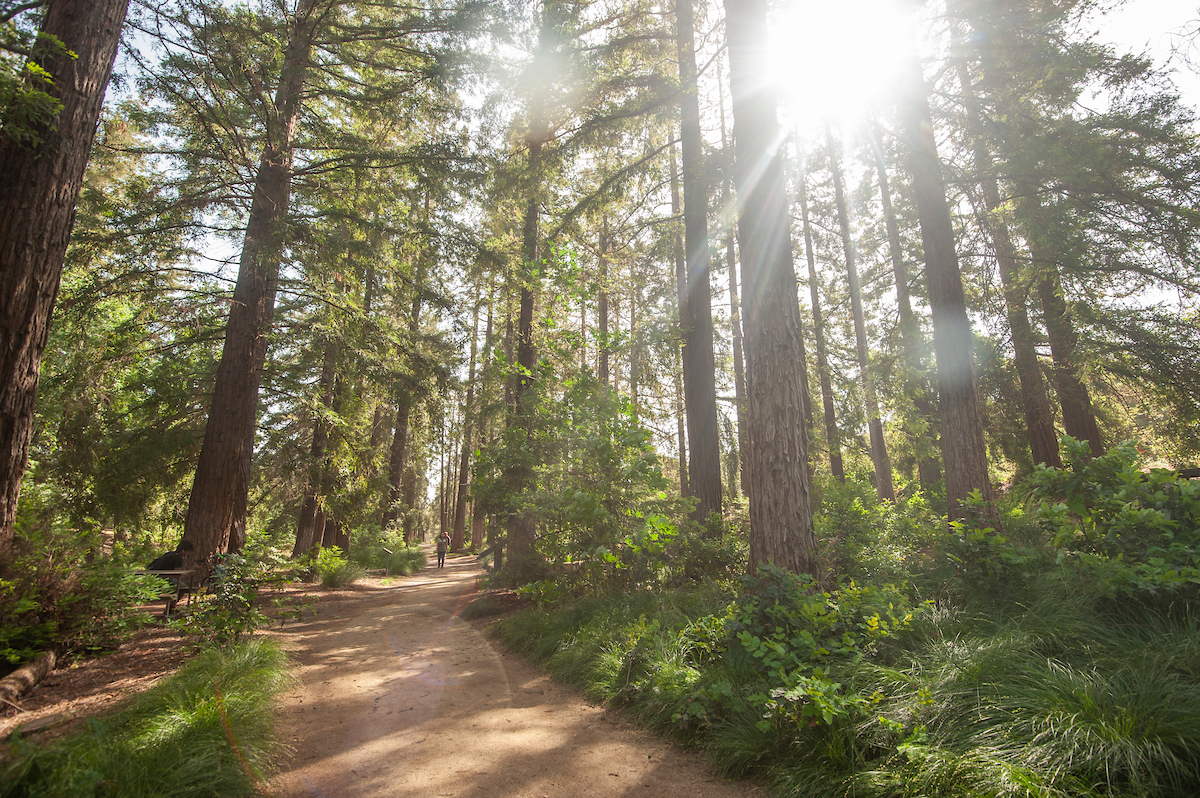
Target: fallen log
[[25, 677]]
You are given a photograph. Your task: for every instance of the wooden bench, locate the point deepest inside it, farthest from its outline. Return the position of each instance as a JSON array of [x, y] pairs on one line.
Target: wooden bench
[[182, 582]]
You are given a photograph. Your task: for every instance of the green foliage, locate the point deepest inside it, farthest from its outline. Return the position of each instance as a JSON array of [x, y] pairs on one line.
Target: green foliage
[[206, 731], [370, 546], [227, 609], [599, 496], [335, 570], [1128, 531], [50, 599], [863, 537], [27, 109]]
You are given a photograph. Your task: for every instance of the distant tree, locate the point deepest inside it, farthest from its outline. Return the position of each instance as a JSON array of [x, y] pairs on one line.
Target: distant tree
[[879, 454]]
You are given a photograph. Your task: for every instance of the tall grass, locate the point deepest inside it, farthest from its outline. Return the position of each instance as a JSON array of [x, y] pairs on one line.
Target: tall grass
[[204, 732]]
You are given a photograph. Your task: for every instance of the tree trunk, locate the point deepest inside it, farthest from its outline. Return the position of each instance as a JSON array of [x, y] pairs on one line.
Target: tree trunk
[[833, 438], [521, 529], [735, 317], [313, 497], [602, 309], [39, 187], [964, 453], [460, 505], [1079, 420], [409, 523], [685, 485], [1039, 420], [398, 453], [216, 516], [924, 441], [879, 455], [699, 367], [781, 522]]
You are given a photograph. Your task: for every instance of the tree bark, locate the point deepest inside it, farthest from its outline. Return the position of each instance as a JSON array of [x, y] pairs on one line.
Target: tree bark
[[924, 441], [879, 455], [38, 191], [685, 487], [699, 367], [833, 437], [964, 453], [781, 522], [521, 525], [398, 453], [1079, 420], [216, 516], [735, 317], [460, 505]]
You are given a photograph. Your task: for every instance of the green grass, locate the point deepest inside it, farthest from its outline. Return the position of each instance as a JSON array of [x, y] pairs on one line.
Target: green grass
[[205, 731], [1069, 695]]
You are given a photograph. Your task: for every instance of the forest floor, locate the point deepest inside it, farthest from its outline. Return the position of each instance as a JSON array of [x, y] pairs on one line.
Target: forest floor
[[398, 696]]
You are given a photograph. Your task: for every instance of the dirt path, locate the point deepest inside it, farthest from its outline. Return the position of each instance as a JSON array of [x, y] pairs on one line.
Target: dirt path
[[410, 700]]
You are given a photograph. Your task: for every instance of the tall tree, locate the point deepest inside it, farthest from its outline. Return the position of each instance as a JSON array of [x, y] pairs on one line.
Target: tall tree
[[1035, 402], [41, 171], [964, 453], [699, 369], [216, 517], [468, 426], [781, 512], [735, 311]]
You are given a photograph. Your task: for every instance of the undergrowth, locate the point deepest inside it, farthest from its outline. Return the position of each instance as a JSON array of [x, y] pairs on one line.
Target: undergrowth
[[205, 731], [1057, 654]]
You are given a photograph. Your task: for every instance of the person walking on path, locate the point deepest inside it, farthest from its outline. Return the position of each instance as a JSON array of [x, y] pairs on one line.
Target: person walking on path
[[443, 545]]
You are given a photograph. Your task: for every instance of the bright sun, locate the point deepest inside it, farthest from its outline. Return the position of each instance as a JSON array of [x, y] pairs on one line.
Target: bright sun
[[831, 59]]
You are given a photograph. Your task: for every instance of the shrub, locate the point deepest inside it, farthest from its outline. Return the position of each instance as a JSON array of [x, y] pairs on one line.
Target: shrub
[[1128, 531], [45, 601], [335, 570]]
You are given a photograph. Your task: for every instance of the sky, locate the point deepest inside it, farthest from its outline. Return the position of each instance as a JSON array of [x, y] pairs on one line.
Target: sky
[[1153, 26]]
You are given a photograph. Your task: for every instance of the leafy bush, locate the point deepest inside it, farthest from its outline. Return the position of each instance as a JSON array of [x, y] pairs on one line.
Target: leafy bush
[[371, 545], [206, 732], [1129, 531], [335, 570], [46, 601]]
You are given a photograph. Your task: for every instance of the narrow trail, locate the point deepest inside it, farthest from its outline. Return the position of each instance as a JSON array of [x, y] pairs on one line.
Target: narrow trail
[[408, 699]]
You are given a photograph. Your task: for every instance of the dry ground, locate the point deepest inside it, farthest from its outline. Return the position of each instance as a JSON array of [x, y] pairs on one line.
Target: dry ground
[[398, 696]]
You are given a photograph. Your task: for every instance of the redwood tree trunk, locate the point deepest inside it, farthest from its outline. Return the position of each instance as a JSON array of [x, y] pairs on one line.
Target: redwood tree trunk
[[699, 368], [1079, 420], [1035, 401], [521, 529], [781, 522], [685, 487], [1039, 420], [602, 303], [832, 436], [964, 454], [216, 516], [879, 455], [38, 190]]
